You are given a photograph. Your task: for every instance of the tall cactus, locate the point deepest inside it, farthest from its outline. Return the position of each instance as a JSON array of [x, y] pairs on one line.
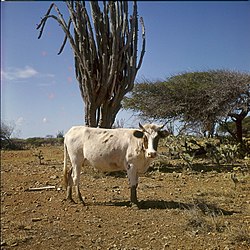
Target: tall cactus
[[105, 50]]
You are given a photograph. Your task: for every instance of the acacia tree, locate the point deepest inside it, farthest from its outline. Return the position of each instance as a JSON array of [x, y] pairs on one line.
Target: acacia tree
[[198, 99], [105, 47], [234, 96]]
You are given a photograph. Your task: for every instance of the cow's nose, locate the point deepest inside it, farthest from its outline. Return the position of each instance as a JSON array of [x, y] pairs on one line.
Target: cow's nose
[[152, 154]]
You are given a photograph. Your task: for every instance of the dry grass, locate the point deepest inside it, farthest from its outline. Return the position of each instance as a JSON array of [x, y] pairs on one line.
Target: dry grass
[[202, 218], [240, 234]]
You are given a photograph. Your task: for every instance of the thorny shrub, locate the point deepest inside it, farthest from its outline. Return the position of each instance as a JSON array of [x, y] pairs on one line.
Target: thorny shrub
[[39, 156], [215, 150]]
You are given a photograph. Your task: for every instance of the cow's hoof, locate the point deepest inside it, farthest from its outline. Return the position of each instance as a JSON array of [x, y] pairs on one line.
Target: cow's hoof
[[71, 201], [82, 202], [67, 200], [134, 206]]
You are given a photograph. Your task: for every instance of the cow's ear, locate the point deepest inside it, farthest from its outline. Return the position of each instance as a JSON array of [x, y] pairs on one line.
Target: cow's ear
[[138, 134], [163, 133], [142, 128]]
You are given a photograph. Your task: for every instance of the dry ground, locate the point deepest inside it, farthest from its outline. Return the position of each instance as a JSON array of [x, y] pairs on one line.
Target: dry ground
[[188, 210]]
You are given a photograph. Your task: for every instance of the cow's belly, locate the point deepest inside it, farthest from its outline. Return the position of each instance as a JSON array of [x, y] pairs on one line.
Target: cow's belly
[[105, 166], [106, 162]]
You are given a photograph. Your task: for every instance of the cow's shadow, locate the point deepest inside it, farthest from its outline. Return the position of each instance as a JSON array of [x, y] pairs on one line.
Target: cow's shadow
[[162, 204]]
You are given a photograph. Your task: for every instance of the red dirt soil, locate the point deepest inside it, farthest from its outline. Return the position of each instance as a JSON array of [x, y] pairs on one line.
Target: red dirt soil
[[188, 210]]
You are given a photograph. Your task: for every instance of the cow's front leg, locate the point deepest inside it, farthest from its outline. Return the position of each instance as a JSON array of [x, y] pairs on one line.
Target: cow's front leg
[[133, 195], [133, 182]]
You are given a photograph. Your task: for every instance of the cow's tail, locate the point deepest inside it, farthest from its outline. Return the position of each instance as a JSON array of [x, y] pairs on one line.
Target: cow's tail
[[65, 169]]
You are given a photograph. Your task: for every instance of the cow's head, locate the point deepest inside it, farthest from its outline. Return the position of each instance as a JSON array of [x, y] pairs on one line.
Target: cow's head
[[151, 133]]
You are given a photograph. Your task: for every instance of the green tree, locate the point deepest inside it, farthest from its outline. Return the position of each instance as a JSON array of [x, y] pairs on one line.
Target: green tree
[[196, 98], [60, 134], [105, 47]]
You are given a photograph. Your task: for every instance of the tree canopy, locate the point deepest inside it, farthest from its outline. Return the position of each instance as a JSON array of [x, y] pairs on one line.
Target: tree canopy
[[195, 98]]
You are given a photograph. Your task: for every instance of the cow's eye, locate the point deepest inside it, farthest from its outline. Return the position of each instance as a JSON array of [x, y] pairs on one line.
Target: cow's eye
[[138, 134]]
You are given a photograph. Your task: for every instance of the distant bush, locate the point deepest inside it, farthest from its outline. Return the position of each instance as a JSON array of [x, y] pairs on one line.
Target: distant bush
[[216, 150], [35, 141], [38, 142], [19, 144], [13, 144]]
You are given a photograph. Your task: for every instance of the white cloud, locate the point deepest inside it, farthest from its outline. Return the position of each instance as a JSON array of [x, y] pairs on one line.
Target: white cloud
[[18, 73]]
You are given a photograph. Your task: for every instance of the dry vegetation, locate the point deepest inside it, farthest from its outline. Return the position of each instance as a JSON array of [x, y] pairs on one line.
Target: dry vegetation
[[179, 209]]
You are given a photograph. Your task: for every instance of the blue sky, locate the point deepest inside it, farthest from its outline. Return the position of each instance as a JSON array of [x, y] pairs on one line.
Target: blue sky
[[39, 93]]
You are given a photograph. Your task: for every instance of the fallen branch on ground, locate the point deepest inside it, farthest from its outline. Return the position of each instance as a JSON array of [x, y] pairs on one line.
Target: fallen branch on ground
[[40, 188]]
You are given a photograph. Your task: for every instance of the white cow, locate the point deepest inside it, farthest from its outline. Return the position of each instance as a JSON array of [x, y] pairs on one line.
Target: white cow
[[109, 150]]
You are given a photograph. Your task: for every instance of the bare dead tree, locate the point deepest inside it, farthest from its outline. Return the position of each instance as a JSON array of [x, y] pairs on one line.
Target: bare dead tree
[[105, 47]]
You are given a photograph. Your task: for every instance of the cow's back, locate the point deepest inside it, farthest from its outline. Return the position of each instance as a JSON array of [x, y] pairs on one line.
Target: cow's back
[[104, 149]]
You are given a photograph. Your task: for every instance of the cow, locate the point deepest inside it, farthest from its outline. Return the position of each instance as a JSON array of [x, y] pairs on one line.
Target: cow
[[108, 150]]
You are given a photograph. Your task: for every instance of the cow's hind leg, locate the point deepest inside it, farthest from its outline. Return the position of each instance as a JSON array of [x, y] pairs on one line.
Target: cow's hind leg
[[76, 180], [79, 195], [69, 186]]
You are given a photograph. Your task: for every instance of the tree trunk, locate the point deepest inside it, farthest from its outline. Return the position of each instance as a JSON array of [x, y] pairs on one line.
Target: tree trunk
[[238, 119], [105, 50], [105, 118], [239, 133], [90, 114]]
